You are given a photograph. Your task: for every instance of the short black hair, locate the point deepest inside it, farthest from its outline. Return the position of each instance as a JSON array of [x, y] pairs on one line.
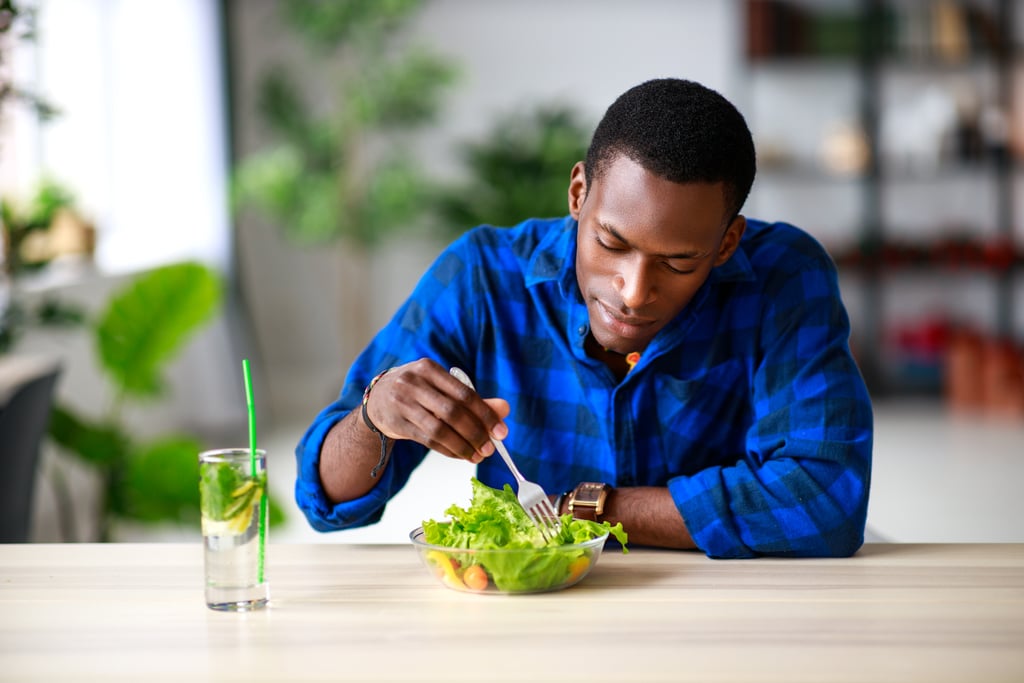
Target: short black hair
[[681, 131]]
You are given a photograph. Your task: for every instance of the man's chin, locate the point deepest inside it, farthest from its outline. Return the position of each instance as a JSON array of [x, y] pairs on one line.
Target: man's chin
[[619, 344]]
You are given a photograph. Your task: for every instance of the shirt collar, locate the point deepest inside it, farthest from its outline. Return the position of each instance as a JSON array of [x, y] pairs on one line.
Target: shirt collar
[[554, 259], [736, 269]]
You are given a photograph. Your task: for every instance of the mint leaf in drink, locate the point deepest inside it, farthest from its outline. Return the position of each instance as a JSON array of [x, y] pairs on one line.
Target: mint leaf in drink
[[226, 494]]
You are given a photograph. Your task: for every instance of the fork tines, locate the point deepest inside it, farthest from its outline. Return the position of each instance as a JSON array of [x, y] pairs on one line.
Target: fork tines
[[546, 519]]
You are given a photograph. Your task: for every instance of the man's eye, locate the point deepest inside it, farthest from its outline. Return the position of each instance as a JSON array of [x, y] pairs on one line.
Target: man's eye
[[678, 271], [606, 247]]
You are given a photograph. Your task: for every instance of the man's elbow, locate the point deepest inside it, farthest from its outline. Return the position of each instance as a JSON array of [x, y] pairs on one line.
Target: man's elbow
[[842, 539]]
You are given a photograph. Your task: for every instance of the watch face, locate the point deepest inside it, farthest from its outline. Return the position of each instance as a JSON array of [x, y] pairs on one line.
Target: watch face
[[589, 494], [589, 499]]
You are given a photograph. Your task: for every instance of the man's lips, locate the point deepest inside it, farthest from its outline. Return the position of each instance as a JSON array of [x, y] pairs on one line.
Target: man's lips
[[623, 325]]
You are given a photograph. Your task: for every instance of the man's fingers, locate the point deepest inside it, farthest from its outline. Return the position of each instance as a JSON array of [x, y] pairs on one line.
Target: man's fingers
[[423, 402], [501, 407]]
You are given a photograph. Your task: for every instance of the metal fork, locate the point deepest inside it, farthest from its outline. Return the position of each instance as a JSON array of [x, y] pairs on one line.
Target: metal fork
[[531, 496]]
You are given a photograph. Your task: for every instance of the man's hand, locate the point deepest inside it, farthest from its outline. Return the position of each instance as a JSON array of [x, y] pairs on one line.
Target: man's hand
[[421, 401], [418, 401]]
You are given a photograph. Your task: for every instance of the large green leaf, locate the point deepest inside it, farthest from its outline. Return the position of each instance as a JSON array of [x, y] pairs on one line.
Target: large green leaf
[[160, 482], [146, 324], [100, 444]]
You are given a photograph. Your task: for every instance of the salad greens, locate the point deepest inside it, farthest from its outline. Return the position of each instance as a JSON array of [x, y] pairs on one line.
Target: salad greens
[[495, 520]]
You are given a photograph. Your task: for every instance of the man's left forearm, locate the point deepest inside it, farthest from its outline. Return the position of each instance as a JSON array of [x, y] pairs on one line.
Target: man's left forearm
[[648, 515]]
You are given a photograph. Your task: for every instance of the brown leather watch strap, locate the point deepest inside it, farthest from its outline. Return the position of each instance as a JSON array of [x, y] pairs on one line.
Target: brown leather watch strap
[[587, 500]]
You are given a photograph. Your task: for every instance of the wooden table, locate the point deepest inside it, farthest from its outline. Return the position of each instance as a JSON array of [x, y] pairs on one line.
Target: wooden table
[[135, 612]]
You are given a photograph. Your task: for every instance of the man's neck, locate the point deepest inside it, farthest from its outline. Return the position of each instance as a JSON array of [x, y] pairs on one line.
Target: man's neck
[[616, 362]]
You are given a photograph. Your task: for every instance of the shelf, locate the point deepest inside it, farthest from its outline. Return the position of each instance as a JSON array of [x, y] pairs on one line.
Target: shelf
[[966, 256], [927, 78], [796, 172], [811, 64], [987, 170], [927, 270], [891, 62], [949, 33], [805, 173], [923, 66]]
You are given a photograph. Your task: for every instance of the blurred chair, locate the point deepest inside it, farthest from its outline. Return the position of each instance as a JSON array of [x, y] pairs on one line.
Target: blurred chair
[[26, 397]]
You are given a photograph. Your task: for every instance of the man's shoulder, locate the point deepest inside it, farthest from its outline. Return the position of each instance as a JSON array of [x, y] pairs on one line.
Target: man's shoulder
[[533, 250], [782, 245], [523, 239]]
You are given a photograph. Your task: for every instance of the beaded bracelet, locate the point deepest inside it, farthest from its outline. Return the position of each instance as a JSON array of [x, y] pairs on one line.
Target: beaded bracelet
[[373, 428]]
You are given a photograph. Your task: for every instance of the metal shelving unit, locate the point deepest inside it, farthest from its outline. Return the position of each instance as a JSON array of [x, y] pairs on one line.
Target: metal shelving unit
[[873, 257]]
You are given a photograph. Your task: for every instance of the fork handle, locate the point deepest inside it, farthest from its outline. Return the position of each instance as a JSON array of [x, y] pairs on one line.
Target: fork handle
[[460, 374], [508, 459]]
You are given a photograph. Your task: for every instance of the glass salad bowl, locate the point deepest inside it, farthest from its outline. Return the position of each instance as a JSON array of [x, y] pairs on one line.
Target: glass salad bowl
[[509, 570]]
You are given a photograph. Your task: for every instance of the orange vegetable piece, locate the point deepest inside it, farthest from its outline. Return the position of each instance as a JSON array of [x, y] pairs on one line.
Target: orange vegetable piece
[[578, 567], [475, 577], [445, 565]]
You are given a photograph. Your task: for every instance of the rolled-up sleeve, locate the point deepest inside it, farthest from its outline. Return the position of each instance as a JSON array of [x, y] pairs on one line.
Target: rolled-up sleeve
[[430, 324], [801, 488], [322, 514]]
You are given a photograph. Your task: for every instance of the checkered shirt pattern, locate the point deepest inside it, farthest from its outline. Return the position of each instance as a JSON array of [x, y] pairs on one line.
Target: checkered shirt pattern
[[748, 405]]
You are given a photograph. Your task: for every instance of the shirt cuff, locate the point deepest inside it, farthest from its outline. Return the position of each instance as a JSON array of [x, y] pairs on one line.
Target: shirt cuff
[[322, 514], [701, 501]]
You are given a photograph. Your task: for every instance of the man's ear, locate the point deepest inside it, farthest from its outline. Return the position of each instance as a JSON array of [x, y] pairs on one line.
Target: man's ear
[[731, 239], [577, 189]]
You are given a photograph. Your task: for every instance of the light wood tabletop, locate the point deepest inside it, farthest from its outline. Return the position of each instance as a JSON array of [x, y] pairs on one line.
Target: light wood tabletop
[[894, 612]]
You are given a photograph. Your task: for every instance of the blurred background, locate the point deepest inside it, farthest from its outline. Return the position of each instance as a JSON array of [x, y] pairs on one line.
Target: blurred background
[[188, 183]]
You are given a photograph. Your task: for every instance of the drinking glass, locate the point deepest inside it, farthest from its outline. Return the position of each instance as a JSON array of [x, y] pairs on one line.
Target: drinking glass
[[232, 497]]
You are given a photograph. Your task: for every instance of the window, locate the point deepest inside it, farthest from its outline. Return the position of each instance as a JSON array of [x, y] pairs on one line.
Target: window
[[141, 139]]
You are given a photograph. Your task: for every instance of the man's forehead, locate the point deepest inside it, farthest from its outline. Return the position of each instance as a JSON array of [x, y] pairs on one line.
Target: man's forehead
[[678, 219]]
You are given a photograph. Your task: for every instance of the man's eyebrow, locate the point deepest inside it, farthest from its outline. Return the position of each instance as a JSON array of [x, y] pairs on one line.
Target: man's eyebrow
[[691, 254]]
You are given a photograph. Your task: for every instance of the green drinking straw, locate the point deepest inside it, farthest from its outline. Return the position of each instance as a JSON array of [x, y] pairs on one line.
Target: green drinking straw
[[250, 404]]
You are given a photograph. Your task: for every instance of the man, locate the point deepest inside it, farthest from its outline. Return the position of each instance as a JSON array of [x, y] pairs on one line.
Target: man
[[668, 363]]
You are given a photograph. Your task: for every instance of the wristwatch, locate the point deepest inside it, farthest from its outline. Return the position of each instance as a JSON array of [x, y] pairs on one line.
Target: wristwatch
[[587, 500]]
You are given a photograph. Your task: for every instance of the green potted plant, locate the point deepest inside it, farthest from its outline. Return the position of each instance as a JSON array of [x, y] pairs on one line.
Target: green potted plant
[[343, 171], [334, 173], [20, 22], [141, 329], [22, 228], [19, 225], [518, 171]]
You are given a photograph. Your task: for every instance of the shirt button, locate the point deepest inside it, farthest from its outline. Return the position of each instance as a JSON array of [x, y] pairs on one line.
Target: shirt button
[[582, 329]]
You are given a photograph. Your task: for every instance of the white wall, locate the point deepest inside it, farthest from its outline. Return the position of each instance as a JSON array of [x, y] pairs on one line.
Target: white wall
[[580, 52]]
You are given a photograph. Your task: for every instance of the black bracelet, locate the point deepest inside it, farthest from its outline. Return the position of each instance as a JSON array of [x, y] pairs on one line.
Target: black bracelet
[[373, 428]]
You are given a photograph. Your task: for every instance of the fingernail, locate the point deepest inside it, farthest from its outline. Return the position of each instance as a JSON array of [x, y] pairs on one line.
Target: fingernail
[[500, 431]]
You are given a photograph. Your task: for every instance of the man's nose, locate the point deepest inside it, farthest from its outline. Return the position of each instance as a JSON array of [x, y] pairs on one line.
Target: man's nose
[[635, 284]]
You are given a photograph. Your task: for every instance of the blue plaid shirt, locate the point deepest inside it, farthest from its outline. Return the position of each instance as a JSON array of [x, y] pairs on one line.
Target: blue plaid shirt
[[748, 406]]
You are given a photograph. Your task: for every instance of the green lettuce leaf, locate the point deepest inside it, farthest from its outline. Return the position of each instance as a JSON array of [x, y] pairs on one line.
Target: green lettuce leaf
[[495, 520]]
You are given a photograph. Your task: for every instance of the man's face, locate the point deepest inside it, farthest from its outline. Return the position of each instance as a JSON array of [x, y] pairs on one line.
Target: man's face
[[645, 245]]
